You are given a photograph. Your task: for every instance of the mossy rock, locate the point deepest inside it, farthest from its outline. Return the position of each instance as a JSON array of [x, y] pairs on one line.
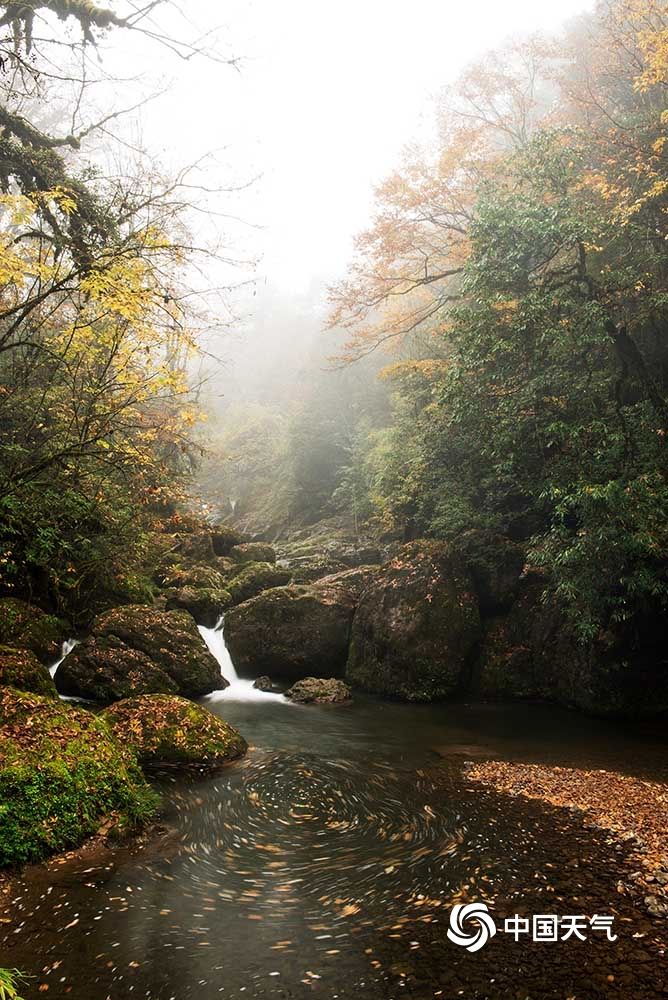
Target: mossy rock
[[163, 729], [253, 552], [224, 539], [252, 578], [416, 627], [319, 691], [20, 668], [63, 776], [204, 604], [136, 650], [194, 576], [28, 627], [291, 632]]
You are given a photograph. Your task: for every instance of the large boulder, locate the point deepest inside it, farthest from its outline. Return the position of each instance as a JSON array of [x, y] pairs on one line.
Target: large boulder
[[250, 579], [292, 632], [416, 626], [495, 564], [319, 691], [20, 668], [137, 650], [355, 581], [534, 651], [63, 776], [163, 729], [205, 605], [253, 552], [28, 627]]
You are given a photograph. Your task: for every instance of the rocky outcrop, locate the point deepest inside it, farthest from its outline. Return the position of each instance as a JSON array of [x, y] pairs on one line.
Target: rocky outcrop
[[319, 691], [263, 683], [204, 604], [163, 729], [354, 581], [257, 552], [250, 579], [63, 776], [416, 627], [495, 564], [535, 652], [20, 668], [28, 627], [137, 650], [292, 632]]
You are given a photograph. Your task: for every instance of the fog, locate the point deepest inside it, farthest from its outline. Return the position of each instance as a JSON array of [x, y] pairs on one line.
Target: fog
[[320, 103]]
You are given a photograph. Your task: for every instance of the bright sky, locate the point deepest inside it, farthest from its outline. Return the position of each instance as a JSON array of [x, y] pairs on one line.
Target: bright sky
[[327, 95]]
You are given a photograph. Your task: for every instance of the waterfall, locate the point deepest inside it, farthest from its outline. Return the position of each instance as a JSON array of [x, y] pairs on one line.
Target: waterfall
[[66, 648], [239, 689]]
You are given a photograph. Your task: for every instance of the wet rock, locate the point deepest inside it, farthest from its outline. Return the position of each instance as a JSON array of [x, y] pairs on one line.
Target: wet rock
[[416, 625], [252, 578], [198, 575], [26, 626], [319, 691], [264, 684], [62, 775], [290, 631], [253, 552], [20, 668], [164, 729], [136, 650], [310, 570]]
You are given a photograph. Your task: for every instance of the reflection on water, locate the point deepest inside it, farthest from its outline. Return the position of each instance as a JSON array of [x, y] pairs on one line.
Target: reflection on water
[[324, 862]]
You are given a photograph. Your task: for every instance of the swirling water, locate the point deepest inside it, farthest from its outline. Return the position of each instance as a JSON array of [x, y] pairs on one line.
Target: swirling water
[[324, 862]]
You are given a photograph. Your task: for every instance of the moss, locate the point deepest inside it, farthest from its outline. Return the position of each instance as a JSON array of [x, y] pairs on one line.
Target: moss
[[62, 775], [253, 552], [28, 627], [165, 729], [204, 604], [19, 668], [252, 578], [225, 538]]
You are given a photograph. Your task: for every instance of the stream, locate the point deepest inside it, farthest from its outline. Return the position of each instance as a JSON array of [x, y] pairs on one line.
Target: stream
[[325, 862]]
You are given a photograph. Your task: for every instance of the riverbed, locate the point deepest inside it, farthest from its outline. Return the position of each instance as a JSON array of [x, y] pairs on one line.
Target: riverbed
[[325, 864]]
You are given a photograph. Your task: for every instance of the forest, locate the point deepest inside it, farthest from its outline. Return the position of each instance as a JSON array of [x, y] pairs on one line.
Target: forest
[[334, 612]]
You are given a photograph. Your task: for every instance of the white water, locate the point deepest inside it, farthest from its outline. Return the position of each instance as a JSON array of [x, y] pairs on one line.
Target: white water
[[67, 647], [239, 690]]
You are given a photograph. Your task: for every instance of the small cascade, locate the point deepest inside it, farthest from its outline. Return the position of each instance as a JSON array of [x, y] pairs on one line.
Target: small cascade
[[239, 689], [66, 648]]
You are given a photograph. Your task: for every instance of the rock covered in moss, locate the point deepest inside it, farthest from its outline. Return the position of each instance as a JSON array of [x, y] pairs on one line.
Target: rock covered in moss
[[26, 626], [20, 668], [291, 632], [137, 650], [319, 691], [197, 575], [62, 776], [252, 578], [355, 581], [164, 729], [253, 552], [204, 604], [416, 625]]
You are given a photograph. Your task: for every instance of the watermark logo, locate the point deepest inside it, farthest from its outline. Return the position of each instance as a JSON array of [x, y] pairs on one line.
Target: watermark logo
[[472, 926], [476, 917]]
